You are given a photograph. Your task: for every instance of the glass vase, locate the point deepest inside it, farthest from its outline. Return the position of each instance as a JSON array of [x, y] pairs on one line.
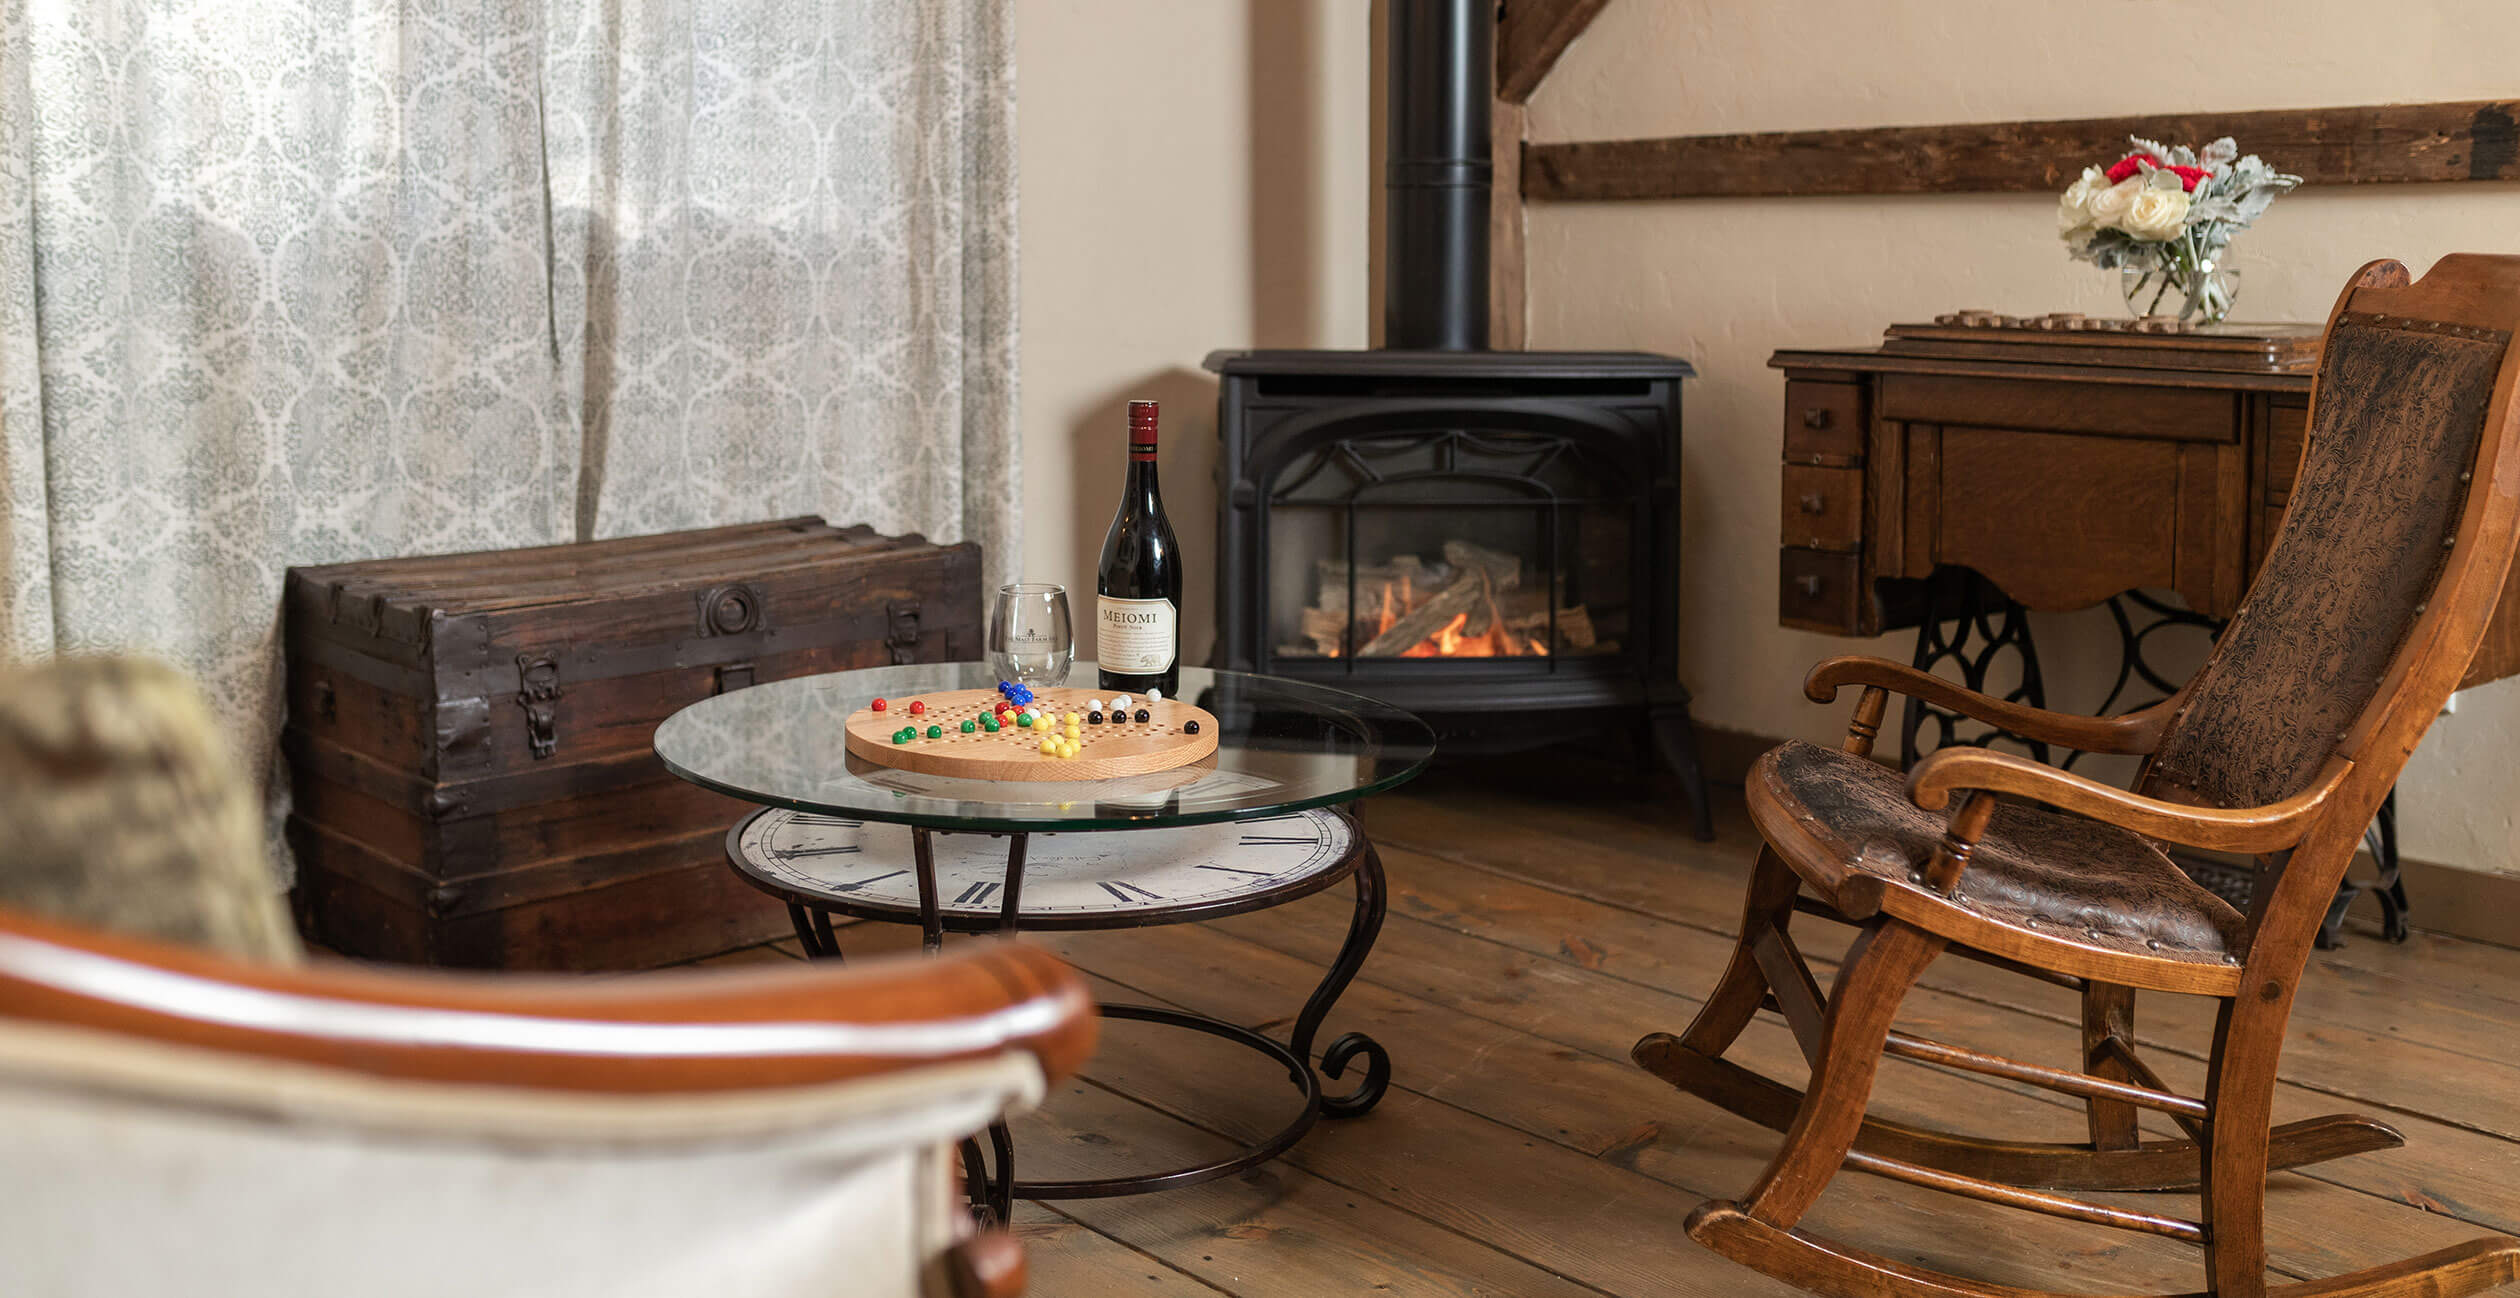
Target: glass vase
[[2198, 291]]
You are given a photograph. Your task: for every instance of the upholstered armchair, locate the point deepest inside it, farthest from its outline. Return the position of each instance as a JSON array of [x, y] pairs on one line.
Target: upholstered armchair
[[188, 1107], [174, 1122]]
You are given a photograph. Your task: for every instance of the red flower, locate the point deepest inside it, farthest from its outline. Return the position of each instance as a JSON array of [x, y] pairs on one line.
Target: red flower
[[2135, 162], [2130, 164]]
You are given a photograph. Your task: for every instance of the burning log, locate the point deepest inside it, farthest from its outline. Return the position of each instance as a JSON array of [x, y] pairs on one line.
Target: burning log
[[1574, 624], [1471, 605], [1327, 629], [1480, 574], [1409, 576]]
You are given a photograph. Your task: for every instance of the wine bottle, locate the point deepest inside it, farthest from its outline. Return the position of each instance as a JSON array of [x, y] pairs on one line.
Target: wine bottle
[[1137, 588]]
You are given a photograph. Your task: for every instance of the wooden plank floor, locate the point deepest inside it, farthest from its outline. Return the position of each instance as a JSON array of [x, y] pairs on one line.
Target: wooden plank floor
[[1534, 934]]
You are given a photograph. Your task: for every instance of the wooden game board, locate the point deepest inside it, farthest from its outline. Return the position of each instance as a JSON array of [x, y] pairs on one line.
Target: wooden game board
[[1130, 748]]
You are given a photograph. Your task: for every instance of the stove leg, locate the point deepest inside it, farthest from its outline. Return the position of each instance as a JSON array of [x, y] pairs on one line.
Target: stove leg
[[1676, 740]]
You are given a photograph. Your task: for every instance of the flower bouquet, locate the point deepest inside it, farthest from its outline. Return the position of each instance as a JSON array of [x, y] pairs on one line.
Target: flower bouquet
[[2162, 217]]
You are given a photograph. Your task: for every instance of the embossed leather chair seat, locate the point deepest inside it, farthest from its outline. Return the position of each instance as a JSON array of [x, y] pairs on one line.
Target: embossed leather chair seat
[[2053, 874]]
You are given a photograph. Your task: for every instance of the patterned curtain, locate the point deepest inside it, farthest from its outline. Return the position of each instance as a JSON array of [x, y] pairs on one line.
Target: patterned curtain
[[299, 281]]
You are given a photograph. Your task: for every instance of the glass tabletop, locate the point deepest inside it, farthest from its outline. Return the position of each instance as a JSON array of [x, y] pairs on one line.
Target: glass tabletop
[[1281, 746]]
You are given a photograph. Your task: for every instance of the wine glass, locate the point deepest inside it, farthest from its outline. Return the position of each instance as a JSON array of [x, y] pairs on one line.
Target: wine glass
[[1030, 637]]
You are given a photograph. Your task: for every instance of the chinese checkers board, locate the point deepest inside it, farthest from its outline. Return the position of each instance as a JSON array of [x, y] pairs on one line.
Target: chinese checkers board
[[964, 746]]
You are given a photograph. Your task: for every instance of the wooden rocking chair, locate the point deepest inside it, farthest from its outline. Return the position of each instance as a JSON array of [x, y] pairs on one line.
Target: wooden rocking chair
[[2374, 597]]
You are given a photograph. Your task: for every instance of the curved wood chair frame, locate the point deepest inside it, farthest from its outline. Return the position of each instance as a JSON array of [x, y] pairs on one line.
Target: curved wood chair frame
[[2305, 841], [722, 1033]]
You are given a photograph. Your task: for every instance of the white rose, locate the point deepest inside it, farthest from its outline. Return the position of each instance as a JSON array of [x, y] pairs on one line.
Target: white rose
[[2109, 206], [2073, 210], [2157, 214]]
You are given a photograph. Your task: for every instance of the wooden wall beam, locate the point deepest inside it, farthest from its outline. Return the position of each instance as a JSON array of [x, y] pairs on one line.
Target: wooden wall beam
[[1507, 287], [2375, 144], [1530, 35]]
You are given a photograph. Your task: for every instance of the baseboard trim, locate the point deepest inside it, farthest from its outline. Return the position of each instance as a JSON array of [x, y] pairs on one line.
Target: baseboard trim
[[1726, 754], [2445, 899]]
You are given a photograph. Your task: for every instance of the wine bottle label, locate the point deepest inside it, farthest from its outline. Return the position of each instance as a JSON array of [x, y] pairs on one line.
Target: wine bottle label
[[1137, 636]]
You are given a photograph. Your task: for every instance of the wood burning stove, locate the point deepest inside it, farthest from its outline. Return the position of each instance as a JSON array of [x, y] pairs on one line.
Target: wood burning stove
[[1489, 539]]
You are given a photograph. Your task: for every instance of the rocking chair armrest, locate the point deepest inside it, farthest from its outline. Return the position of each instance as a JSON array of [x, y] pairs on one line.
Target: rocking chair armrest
[[2247, 829], [2133, 733]]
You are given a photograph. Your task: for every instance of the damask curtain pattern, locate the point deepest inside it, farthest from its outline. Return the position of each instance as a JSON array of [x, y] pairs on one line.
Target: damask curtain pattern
[[301, 281], [782, 248]]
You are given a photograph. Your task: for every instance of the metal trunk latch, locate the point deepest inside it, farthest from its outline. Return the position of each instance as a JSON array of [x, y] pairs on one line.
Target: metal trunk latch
[[901, 630], [734, 676], [538, 692]]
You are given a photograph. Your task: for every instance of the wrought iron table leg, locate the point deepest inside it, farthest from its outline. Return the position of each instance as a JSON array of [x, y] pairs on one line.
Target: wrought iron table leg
[[931, 909], [1013, 910], [813, 932], [989, 1178], [1371, 902], [992, 1193], [1250, 1156]]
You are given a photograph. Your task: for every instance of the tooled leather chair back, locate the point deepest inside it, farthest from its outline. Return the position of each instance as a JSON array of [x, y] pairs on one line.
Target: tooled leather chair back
[[2401, 408]]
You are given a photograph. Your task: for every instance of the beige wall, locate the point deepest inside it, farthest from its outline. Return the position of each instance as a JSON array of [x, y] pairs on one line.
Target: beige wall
[[1195, 176], [1725, 282]]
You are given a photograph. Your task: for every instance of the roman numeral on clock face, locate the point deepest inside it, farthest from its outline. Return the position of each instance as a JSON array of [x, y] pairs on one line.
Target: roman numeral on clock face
[[837, 849], [1236, 869], [1129, 892], [1264, 840], [976, 895]]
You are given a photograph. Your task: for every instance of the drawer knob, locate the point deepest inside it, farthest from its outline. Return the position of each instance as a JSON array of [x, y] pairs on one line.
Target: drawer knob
[[1814, 503], [1815, 416], [1809, 584]]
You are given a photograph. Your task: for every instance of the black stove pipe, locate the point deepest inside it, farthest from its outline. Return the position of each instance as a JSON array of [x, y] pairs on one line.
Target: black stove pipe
[[1438, 174]]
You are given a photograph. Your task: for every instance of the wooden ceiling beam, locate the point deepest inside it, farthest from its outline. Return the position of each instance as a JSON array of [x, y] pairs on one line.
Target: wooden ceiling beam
[[1530, 35]]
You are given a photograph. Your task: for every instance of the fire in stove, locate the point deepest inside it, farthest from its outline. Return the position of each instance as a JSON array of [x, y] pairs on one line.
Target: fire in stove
[[1471, 604]]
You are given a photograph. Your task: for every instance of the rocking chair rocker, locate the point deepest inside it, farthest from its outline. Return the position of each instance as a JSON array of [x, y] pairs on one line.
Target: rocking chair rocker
[[2374, 597]]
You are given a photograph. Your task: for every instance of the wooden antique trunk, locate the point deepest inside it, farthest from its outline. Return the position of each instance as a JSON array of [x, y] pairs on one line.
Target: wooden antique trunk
[[469, 735]]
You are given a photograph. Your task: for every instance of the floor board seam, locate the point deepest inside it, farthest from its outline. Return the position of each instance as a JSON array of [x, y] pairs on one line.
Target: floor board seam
[[1295, 1156], [1195, 1124], [1822, 962], [1191, 1276], [1366, 976], [1454, 856]]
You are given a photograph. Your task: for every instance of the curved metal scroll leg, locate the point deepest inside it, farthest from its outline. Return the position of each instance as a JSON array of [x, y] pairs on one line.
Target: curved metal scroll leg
[[1370, 905], [992, 1195], [975, 1180], [1002, 1186]]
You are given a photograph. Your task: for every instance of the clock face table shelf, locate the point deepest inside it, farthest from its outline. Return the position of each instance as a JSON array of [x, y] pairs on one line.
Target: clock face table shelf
[[1255, 823], [1100, 879]]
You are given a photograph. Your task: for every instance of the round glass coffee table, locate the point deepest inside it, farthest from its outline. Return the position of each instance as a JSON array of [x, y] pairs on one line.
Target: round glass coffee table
[[1257, 824]]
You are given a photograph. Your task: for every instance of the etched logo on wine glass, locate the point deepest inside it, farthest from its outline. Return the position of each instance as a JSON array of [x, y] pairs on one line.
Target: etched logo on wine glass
[[1030, 637]]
